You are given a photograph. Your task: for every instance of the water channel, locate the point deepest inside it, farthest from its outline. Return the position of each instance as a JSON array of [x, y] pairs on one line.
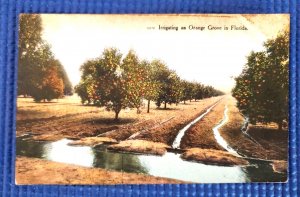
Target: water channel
[[169, 165]]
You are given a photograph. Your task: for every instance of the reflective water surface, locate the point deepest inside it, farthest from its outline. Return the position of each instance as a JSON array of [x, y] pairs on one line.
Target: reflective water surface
[[221, 141], [170, 165]]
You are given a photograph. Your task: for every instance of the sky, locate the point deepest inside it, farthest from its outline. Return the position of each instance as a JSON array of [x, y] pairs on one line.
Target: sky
[[210, 56]]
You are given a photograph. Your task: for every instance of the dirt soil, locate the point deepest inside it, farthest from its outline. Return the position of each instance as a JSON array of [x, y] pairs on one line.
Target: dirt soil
[[140, 146], [38, 171], [80, 121], [167, 132], [268, 142], [200, 135], [211, 156], [92, 141]]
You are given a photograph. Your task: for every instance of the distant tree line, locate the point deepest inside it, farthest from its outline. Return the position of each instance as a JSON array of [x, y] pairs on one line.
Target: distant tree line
[[117, 82], [261, 89], [40, 75]]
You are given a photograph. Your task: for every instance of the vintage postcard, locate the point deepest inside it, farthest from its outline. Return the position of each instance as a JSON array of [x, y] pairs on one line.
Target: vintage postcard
[[139, 99]]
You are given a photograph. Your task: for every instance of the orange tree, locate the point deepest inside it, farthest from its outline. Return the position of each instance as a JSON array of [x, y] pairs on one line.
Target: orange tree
[[168, 82], [151, 84], [261, 89], [86, 82], [39, 73], [187, 90], [82, 90], [30, 39], [51, 86], [198, 91], [68, 88], [107, 87], [137, 80], [209, 91], [46, 83], [113, 82]]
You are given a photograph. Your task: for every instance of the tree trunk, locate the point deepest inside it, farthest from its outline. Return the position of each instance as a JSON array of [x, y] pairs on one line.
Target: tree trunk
[[138, 111], [148, 107], [280, 124], [183, 101], [117, 115], [165, 105]]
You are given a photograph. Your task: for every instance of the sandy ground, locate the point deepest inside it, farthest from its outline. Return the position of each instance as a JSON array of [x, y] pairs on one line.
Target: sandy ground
[[30, 110], [38, 171], [211, 156], [167, 132], [55, 125], [201, 134], [272, 143], [140, 146], [92, 141]]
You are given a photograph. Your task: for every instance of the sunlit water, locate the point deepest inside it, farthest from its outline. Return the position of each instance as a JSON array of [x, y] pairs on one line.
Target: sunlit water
[[169, 166], [221, 141]]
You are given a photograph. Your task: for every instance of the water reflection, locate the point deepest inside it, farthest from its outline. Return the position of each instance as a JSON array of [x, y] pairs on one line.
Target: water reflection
[[262, 171], [170, 165], [25, 148], [117, 161]]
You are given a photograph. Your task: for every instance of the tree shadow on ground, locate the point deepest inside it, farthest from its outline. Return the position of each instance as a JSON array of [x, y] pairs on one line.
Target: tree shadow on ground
[[111, 121], [187, 103], [269, 134], [28, 115], [167, 109]]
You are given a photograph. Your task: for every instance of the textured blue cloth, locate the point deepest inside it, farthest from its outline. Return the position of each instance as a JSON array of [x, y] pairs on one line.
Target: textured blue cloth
[[9, 10]]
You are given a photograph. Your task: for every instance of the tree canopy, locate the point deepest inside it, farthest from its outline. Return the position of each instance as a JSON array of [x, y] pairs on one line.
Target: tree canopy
[[37, 63], [261, 89], [115, 81]]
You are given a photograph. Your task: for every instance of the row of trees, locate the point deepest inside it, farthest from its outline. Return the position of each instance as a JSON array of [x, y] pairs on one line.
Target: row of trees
[[116, 83], [40, 75], [262, 88]]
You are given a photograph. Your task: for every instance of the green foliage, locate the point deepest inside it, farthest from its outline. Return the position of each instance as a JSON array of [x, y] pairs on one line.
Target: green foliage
[[102, 82], [88, 70], [68, 88], [187, 90], [134, 75], [115, 83], [168, 82], [37, 63], [152, 85], [30, 33], [108, 87], [82, 90], [198, 91], [51, 87], [262, 88]]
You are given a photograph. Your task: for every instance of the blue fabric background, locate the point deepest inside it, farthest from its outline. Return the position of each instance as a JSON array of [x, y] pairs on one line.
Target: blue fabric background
[[9, 10]]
